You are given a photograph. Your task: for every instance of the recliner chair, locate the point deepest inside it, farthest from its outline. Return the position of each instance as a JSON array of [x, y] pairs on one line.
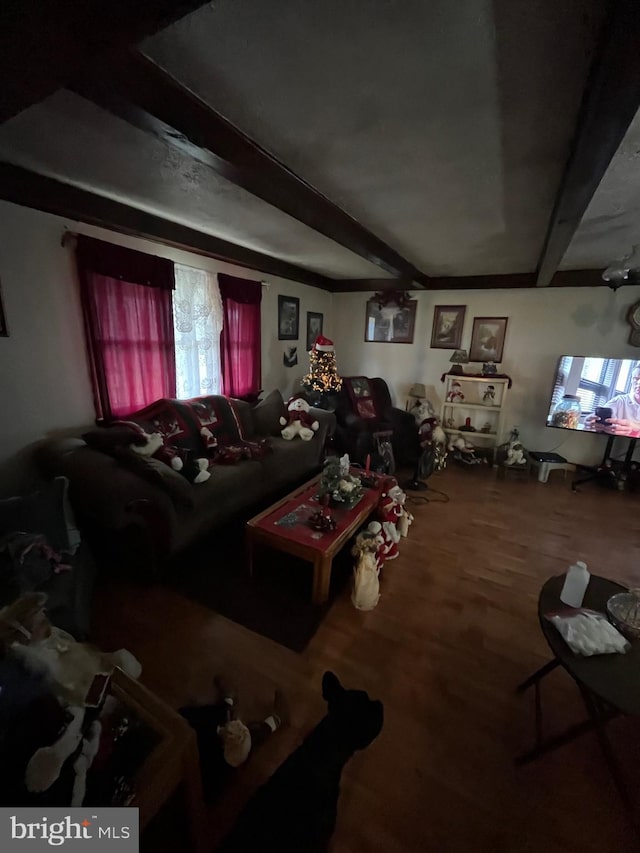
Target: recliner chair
[[354, 433]]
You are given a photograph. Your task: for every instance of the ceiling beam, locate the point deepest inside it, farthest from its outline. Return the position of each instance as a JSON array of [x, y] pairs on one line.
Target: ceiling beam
[[137, 90], [30, 189], [610, 101], [45, 44], [564, 278]]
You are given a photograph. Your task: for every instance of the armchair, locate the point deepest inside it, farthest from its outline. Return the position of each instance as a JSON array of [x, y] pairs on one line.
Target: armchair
[[363, 407]]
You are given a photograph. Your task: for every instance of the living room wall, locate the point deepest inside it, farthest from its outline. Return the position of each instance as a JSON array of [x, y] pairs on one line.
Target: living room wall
[[543, 324], [44, 384]]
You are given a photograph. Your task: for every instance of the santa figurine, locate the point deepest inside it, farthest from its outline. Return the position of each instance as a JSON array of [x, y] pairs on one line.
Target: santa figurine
[[389, 513], [455, 394]]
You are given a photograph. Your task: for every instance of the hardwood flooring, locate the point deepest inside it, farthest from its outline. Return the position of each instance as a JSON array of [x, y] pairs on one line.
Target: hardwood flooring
[[455, 630]]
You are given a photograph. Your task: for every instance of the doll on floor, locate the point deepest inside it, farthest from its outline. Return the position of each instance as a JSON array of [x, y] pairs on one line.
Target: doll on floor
[[224, 741]]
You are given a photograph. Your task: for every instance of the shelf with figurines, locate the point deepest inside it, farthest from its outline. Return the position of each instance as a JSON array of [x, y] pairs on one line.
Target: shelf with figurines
[[474, 407]]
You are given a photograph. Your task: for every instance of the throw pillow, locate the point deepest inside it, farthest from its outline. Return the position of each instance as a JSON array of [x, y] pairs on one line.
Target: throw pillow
[[109, 439], [47, 511], [244, 411], [267, 414]]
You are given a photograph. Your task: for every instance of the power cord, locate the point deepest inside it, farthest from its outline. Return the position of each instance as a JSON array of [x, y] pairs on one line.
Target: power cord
[[423, 499]]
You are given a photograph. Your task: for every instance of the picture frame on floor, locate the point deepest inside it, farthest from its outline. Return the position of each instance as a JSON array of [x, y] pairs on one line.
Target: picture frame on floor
[[448, 324], [4, 331], [487, 339], [288, 318], [315, 323]]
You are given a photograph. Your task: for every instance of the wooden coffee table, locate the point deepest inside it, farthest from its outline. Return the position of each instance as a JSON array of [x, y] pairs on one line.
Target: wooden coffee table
[[284, 526]]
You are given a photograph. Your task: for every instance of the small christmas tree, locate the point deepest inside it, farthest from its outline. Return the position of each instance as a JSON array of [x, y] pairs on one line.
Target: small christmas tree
[[322, 378]]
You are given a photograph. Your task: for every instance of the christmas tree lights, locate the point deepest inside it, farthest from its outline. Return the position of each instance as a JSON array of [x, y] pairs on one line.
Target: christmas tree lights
[[323, 374]]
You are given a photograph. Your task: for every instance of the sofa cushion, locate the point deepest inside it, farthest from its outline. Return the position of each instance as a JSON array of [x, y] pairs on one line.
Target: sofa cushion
[[109, 439], [267, 414], [291, 461], [244, 412], [47, 511]]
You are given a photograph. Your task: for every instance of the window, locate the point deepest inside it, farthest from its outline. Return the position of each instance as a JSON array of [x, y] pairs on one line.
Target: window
[[598, 378], [197, 322], [126, 302]]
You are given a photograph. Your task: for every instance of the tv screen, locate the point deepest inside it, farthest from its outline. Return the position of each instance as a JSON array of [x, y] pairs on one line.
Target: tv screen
[[595, 394]]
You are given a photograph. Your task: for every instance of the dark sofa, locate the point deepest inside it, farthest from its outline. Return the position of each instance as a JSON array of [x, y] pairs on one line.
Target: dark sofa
[[150, 515]]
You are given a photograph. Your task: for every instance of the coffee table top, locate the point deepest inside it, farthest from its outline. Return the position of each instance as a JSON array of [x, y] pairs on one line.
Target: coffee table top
[[614, 678], [288, 519]]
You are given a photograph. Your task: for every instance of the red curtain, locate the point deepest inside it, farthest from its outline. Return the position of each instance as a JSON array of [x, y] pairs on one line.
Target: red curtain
[[126, 299], [240, 342]]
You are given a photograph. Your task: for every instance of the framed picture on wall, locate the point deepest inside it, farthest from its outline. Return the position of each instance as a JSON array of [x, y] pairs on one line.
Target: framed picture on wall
[[487, 338], [390, 324], [315, 322], [448, 322], [288, 318], [4, 331]]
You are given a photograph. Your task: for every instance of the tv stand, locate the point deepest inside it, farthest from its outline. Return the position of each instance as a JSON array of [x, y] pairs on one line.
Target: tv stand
[[608, 473]]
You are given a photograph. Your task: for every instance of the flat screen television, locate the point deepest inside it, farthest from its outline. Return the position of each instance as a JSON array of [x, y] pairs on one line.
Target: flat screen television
[[594, 394]]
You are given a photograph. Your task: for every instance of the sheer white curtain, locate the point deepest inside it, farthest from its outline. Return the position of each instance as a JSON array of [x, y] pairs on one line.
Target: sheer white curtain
[[197, 320]]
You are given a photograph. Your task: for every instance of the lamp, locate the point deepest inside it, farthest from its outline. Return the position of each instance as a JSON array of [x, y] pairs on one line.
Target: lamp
[[459, 357], [418, 390]]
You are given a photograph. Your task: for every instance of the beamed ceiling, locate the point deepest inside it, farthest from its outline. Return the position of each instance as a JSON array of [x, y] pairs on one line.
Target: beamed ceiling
[[349, 143]]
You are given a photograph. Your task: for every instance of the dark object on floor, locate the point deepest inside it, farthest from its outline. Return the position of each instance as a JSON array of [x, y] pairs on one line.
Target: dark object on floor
[[610, 473], [296, 810]]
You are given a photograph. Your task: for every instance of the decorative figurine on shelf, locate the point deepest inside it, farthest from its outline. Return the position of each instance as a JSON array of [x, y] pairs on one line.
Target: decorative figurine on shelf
[[466, 426], [489, 368], [463, 451], [486, 427], [366, 584], [489, 396], [450, 423], [455, 394]]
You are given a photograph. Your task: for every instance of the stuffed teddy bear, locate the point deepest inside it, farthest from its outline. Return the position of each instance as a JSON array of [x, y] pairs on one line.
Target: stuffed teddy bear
[[515, 454], [366, 584], [299, 422], [195, 470]]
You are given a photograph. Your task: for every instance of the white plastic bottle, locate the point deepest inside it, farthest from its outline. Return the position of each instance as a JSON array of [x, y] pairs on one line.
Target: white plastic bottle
[[575, 584]]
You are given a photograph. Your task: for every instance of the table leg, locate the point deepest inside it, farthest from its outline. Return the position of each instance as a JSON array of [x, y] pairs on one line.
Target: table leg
[[321, 579], [600, 716], [249, 552], [194, 800], [537, 675]]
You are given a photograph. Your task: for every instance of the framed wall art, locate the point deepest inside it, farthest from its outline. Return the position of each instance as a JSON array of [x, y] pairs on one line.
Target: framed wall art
[[390, 323], [487, 338], [315, 322], [448, 322], [288, 318]]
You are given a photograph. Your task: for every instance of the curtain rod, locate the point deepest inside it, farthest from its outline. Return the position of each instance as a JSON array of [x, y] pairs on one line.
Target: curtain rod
[[69, 239]]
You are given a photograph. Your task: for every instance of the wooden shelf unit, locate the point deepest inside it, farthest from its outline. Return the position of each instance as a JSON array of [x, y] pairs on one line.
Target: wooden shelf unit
[[473, 387]]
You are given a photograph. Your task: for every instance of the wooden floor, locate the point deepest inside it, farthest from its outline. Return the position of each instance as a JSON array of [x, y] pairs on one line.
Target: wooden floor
[[455, 630]]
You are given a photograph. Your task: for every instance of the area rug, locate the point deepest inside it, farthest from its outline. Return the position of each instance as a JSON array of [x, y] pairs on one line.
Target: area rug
[[275, 602]]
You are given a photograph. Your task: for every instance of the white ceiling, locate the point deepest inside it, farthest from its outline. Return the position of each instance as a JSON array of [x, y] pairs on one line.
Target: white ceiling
[[441, 126]]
